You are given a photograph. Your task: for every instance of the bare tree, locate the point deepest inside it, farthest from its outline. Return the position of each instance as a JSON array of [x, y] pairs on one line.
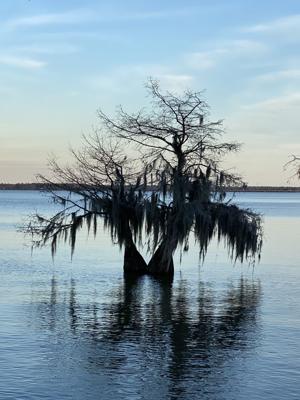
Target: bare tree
[[294, 165], [174, 188]]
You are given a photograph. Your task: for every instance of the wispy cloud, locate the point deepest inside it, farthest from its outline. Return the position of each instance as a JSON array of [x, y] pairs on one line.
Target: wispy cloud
[[278, 104], [70, 17], [47, 48], [161, 14], [62, 36], [21, 62], [286, 24], [275, 117], [286, 74], [175, 82], [204, 59], [226, 49], [87, 15], [117, 79]]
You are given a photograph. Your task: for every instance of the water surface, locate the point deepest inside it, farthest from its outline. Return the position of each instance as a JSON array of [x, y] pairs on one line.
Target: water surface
[[80, 330]]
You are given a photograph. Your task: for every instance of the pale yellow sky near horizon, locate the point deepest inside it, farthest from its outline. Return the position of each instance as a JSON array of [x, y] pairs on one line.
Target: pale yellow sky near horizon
[[260, 161]]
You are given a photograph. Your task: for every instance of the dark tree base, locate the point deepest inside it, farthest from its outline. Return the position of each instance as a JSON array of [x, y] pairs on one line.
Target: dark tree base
[[134, 262], [160, 265]]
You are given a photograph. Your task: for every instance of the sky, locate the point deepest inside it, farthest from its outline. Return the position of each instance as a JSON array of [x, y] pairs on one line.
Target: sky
[[62, 60]]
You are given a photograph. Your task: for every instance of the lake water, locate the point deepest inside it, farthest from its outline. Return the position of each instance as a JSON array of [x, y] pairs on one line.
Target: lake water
[[79, 330]]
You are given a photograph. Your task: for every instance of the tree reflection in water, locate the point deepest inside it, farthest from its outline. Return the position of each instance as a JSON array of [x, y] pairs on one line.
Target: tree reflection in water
[[175, 338]]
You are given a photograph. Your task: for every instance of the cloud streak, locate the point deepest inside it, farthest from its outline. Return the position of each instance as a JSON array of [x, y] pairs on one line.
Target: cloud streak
[[286, 24], [204, 60], [116, 79], [278, 104], [21, 62], [286, 74], [47, 48], [66, 18], [74, 17]]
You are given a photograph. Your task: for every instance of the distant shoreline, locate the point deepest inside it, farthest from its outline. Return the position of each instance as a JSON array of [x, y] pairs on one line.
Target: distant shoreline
[[36, 186]]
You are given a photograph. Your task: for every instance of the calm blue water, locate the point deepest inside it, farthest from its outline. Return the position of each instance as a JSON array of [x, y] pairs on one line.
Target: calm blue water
[[79, 330]]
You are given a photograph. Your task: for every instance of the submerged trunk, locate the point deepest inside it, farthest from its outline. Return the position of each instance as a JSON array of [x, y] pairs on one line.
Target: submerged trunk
[[134, 262], [161, 263]]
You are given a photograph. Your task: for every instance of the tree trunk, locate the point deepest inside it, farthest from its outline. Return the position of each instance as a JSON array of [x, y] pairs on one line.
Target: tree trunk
[[134, 262], [161, 263]]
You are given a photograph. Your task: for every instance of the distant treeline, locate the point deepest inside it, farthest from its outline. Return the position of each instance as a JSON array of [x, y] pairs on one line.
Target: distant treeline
[[40, 186], [264, 189], [21, 186]]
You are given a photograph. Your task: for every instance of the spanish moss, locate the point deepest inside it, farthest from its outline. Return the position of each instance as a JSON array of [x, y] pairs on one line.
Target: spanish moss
[[155, 180]]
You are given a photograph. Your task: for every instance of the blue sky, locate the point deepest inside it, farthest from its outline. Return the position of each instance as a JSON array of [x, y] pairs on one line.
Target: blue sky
[[62, 60]]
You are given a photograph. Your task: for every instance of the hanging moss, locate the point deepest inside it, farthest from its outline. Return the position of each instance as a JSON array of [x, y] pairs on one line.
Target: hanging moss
[[180, 156]]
